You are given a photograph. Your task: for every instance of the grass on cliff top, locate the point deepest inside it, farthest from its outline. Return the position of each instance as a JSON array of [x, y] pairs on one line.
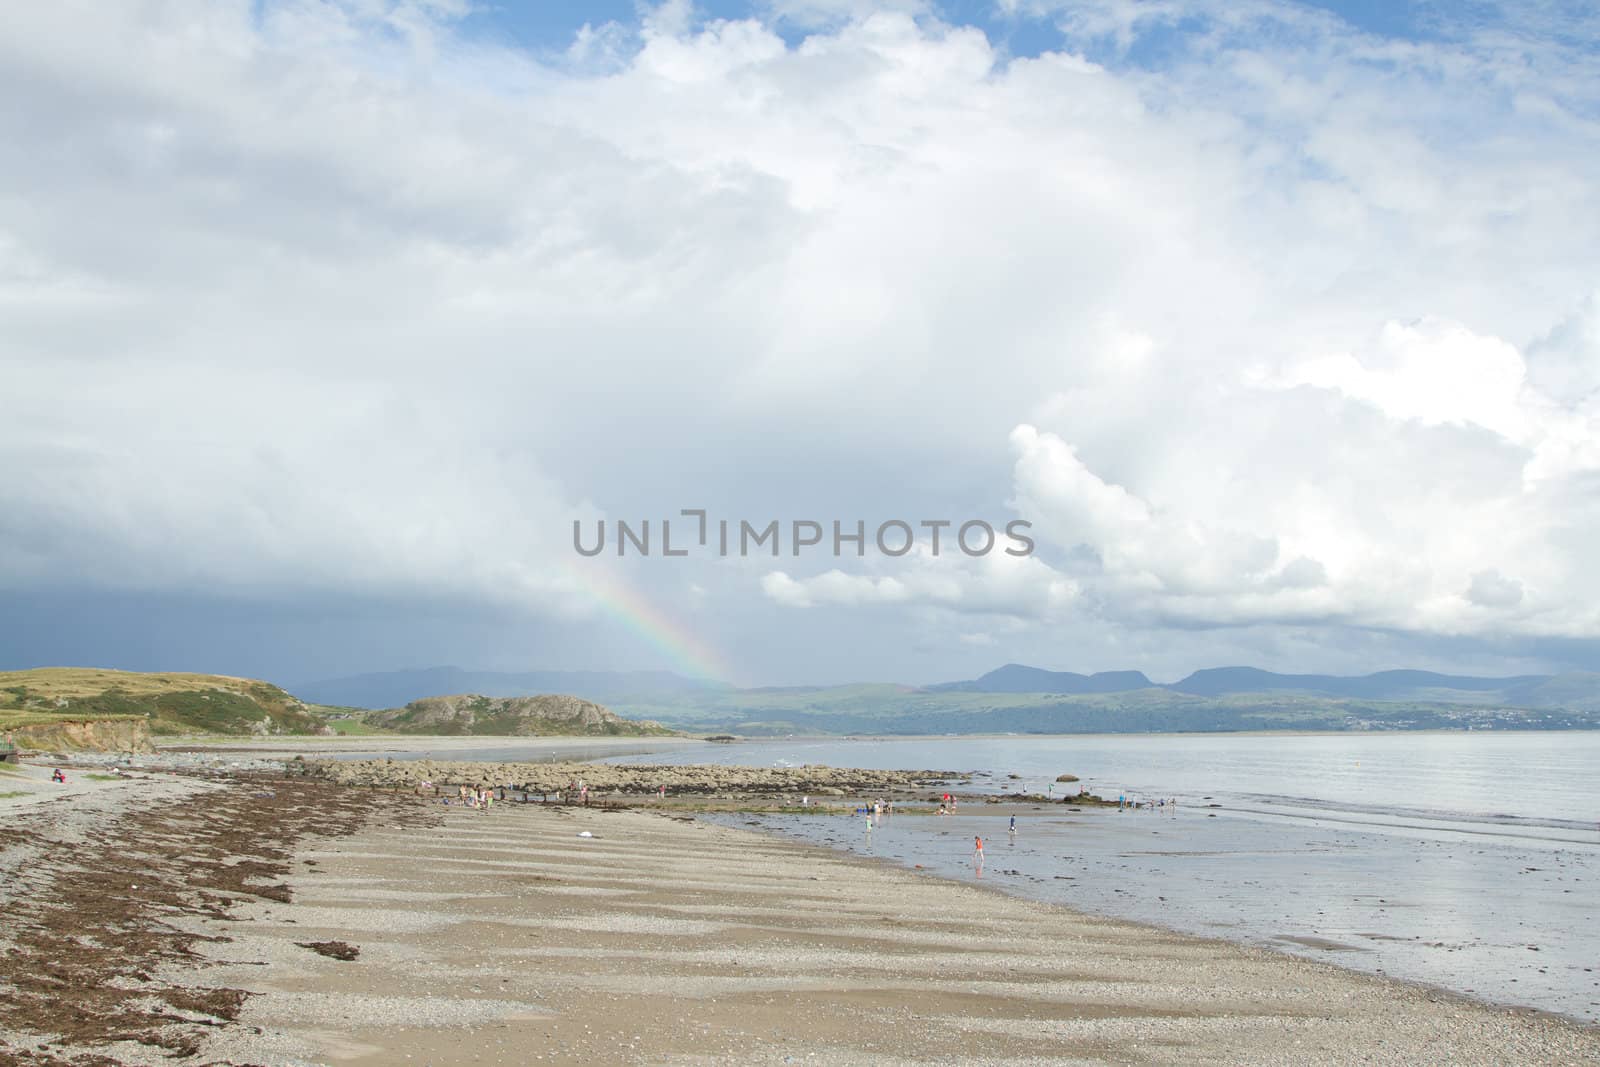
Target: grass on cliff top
[[173, 702], [16, 719], [77, 682]]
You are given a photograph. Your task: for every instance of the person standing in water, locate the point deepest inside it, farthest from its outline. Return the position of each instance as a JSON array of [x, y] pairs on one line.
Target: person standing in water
[[1012, 829], [977, 854]]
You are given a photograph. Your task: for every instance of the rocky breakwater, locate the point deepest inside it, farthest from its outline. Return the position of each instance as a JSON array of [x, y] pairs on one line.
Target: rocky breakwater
[[602, 778]]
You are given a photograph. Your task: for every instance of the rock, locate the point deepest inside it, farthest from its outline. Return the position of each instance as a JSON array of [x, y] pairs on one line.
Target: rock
[[511, 716], [626, 778]]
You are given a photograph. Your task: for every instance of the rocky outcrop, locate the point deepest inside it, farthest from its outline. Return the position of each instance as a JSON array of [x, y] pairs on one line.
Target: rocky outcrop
[[622, 778], [512, 717], [89, 735]]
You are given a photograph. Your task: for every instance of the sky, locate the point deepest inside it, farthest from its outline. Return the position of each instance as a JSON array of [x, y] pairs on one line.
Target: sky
[[321, 323]]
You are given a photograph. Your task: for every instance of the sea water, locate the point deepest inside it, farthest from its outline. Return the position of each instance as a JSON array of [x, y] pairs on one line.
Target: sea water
[[1469, 861]]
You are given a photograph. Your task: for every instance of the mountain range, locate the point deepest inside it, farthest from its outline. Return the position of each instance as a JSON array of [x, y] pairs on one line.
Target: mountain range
[[396, 688], [1020, 698]]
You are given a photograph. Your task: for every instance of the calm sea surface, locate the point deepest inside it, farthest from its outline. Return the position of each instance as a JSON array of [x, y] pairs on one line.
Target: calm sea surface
[[1465, 860]]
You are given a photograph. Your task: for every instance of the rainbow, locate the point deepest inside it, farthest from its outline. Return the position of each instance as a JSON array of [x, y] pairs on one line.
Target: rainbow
[[685, 651]]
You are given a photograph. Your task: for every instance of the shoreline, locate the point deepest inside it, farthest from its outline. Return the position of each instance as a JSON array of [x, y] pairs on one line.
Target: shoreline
[[1475, 963], [899, 938], [507, 937]]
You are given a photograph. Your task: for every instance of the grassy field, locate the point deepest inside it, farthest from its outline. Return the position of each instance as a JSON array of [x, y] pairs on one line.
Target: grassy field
[[174, 703], [79, 682]]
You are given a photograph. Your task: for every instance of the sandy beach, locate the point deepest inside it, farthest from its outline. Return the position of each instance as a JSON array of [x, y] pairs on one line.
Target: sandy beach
[[207, 916]]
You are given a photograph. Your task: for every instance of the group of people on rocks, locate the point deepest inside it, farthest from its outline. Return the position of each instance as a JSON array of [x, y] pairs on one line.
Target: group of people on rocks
[[1158, 806], [480, 799]]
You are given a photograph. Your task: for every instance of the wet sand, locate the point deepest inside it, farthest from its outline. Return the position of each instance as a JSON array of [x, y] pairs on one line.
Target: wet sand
[[1504, 918], [199, 921], [507, 938]]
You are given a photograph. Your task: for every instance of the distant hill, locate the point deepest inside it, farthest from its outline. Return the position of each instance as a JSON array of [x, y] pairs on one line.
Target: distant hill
[[173, 703], [534, 716], [392, 689], [1384, 685], [45, 704], [1020, 699], [1017, 678], [1576, 691], [1017, 698]]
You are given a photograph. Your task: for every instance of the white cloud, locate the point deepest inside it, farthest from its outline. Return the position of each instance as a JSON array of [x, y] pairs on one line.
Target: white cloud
[[833, 587], [994, 584], [1437, 372], [1402, 485], [1300, 328]]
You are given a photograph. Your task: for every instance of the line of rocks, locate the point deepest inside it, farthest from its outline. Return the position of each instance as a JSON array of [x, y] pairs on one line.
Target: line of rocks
[[621, 778], [165, 760]]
